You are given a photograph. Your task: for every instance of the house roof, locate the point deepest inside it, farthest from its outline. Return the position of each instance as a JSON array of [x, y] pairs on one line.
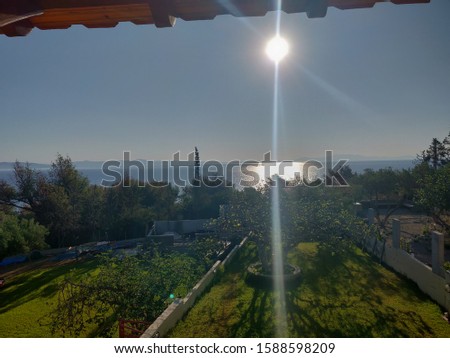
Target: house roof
[[19, 17]]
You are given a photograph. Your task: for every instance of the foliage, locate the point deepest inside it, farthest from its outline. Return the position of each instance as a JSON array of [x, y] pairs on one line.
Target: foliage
[[203, 200], [131, 206], [55, 200], [323, 219], [438, 153], [386, 190], [206, 249], [20, 235], [447, 265], [305, 215], [75, 212], [136, 288], [434, 195], [249, 215]]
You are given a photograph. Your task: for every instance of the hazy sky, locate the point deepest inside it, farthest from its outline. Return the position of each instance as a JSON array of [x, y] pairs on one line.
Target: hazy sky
[[373, 82]]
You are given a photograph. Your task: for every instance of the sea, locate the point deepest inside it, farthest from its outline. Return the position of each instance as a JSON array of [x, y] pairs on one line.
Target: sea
[[97, 177]]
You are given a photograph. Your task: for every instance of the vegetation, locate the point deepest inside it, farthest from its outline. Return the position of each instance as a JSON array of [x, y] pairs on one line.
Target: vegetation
[[344, 295], [425, 185], [434, 195], [29, 297], [20, 235], [74, 212], [132, 288], [438, 153]]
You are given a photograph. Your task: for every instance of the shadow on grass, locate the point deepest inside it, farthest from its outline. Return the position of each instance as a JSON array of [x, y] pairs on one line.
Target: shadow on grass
[[254, 319], [40, 283], [350, 296], [347, 295], [314, 318]]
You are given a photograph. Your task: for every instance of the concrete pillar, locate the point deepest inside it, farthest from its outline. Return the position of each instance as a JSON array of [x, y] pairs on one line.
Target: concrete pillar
[[396, 232], [437, 252], [371, 216]]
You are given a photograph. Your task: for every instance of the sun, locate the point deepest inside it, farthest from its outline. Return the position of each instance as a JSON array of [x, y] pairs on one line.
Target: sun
[[277, 49]]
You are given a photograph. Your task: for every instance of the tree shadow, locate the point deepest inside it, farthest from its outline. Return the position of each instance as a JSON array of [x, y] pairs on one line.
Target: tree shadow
[[30, 286], [254, 318]]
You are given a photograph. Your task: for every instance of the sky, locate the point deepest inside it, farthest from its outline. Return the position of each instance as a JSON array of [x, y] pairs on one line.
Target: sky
[[370, 82]]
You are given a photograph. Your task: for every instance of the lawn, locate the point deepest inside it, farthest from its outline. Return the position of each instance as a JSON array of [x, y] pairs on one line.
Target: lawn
[[340, 296], [28, 297]]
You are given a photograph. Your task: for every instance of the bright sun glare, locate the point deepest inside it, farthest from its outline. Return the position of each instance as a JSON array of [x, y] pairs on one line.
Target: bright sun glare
[[277, 49]]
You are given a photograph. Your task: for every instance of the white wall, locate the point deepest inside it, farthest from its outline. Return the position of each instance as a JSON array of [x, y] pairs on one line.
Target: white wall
[[180, 226], [399, 260]]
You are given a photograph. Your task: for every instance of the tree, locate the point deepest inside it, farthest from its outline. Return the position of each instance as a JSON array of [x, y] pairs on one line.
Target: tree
[[437, 154], [134, 288], [25, 194], [19, 235], [322, 216], [203, 201], [197, 166], [93, 213], [131, 206], [434, 195], [249, 214], [386, 191], [55, 201]]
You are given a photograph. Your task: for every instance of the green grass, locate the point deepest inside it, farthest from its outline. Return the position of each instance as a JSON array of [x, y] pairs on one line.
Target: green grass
[[349, 296], [28, 298]]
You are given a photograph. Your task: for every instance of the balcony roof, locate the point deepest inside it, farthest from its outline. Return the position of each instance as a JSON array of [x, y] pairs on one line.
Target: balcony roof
[[19, 17]]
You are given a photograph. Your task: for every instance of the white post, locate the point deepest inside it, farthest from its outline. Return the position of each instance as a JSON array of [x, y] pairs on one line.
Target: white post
[[437, 252]]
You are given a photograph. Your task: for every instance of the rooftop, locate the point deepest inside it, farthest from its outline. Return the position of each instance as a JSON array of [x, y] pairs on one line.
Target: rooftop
[[19, 17]]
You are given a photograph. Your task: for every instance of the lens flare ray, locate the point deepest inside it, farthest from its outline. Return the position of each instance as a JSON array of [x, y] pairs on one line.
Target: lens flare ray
[[278, 48]]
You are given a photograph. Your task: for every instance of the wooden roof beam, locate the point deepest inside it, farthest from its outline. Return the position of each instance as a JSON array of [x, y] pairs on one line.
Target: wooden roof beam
[[162, 13], [14, 17], [17, 17]]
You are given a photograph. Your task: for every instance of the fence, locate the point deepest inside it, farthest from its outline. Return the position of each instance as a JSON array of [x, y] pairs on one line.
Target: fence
[[429, 279]]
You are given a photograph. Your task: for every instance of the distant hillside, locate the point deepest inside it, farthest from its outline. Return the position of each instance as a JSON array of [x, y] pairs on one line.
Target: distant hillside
[[85, 164], [10, 165]]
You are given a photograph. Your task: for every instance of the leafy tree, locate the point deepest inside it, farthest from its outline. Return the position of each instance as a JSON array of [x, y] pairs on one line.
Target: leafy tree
[[434, 195], [203, 201], [324, 218], [384, 186], [131, 206], [56, 201], [130, 288], [127, 217], [19, 235], [437, 154], [93, 213], [64, 174], [207, 249], [250, 214], [25, 194]]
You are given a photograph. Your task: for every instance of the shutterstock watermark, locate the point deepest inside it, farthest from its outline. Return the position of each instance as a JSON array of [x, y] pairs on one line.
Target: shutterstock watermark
[[214, 173]]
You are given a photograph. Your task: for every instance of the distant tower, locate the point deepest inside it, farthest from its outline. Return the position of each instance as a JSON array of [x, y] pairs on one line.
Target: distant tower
[[197, 166]]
